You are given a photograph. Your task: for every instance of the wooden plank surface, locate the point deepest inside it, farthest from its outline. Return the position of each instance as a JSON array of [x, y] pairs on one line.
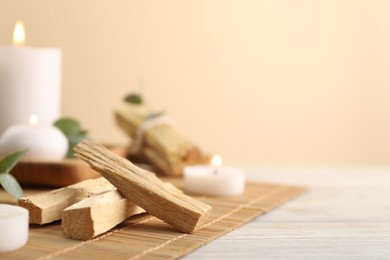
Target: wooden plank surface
[[344, 215]]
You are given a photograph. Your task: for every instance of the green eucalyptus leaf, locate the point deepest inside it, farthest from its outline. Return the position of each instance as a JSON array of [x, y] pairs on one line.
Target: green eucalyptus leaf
[[11, 185], [133, 99], [68, 126], [73, 141], [73, 132], [10, 161]]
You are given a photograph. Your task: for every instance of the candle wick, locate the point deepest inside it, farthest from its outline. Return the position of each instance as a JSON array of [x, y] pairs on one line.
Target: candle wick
[[215, 171]]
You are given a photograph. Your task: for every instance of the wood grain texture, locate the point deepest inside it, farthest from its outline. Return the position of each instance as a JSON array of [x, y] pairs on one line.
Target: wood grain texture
[[344, 215], [57, 173], [144, 189], [96, 215], [99, 213], [161, 144], [53, 173], [47, 207]]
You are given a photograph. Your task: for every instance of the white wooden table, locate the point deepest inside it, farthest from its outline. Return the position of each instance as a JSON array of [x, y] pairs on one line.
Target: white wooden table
[[344, 215]]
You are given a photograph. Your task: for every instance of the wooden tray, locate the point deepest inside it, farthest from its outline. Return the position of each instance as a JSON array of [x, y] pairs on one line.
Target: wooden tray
[[146, 237], [56, 173]]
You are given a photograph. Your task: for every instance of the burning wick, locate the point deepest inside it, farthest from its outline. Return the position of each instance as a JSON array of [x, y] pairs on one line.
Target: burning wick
[[19, 36], [216, 161], [33, 120]]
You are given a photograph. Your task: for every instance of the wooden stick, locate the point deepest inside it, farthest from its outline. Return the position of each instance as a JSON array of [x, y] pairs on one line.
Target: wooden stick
[[162, 145], [47, 207], [99, 213], [96, 215], [144, 189]]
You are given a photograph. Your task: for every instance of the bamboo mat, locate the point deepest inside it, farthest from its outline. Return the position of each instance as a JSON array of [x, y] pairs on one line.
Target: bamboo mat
[[145, 236]]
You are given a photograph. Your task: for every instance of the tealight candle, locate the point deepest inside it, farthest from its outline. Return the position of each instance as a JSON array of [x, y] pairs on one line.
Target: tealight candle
[[214, 180], [42, 142], [13, 227]]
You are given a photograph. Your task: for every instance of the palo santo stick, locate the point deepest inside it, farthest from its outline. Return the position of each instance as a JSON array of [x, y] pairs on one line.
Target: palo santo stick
[[47, 207], [162, 144], [144, 189], [99, 213], [96, 215]]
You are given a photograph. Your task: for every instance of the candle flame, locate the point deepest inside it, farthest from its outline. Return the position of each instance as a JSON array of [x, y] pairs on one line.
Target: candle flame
[[33, 120], [216, 160], [19, 37]]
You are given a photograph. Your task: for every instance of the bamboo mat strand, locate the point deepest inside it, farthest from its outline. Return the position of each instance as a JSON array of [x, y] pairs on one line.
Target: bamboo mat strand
[[145, 236]]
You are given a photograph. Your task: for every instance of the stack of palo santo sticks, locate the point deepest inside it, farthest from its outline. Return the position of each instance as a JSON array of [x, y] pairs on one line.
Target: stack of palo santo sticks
[[94, 206], [157, 141]]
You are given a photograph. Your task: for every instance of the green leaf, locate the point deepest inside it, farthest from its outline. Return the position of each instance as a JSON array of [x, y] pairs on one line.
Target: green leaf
[[73, 141], [73, 131], [11, 185], [68, 126], [134, 99], [10, 161]]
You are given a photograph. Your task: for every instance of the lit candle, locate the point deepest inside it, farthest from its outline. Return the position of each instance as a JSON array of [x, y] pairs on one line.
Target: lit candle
[[214, 180], [30, 80], [13, 227], [42, 142]]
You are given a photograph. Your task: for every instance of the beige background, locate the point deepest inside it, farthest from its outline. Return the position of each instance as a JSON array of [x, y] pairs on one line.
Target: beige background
[[274, 82]]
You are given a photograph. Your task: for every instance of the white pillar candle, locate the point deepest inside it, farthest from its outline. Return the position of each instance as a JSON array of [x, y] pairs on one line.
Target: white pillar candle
[[214, 180], [13, 227], [42, 142], [30, 82]]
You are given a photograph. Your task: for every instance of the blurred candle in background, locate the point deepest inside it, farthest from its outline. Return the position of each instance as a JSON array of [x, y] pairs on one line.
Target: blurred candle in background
[[44, 143], [214, 179], [30, 82]]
